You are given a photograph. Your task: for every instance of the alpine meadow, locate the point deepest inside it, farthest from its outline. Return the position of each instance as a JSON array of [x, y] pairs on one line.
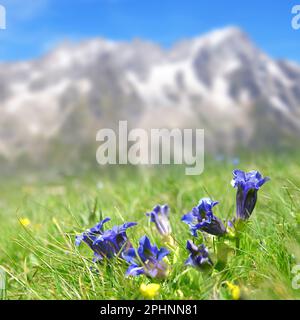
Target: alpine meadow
[[41, 261], [149, 152]]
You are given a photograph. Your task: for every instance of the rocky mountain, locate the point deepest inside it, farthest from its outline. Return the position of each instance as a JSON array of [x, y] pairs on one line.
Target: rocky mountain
[[220, 82]]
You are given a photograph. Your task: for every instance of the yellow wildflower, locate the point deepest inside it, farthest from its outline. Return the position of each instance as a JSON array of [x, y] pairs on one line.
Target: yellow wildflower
[[149, 291], [25, 222], [234, 290]]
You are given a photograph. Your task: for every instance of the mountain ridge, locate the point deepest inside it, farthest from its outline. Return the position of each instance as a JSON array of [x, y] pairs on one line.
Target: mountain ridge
[[220, 82]]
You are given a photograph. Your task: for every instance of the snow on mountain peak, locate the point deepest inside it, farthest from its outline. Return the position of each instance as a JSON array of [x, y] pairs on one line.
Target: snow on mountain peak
[[221, 75]]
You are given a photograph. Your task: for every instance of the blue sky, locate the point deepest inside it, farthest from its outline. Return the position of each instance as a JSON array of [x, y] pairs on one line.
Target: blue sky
[[35, 26]]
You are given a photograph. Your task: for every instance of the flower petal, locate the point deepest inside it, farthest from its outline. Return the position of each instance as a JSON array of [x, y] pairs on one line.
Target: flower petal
[[162, 253], [134, 270]]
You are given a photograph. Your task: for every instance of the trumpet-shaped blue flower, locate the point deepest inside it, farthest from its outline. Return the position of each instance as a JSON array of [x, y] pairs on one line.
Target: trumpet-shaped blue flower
[[147, 260], [247, 184], [106, 244], [90, 235], [202, 218], [160, 216], [199, 256]]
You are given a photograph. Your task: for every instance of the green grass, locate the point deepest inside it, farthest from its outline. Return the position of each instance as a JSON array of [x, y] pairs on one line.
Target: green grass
[[41, 262]]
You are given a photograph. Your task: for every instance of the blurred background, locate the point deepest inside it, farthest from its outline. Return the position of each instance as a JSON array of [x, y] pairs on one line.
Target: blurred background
[[69, 68]]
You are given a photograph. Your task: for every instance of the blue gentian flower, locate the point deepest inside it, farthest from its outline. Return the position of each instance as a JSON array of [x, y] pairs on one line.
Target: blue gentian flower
[[160, 216], [199, 256], [247, 184], [147, 260], [90, 235], [202, 218], [106, 244]]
